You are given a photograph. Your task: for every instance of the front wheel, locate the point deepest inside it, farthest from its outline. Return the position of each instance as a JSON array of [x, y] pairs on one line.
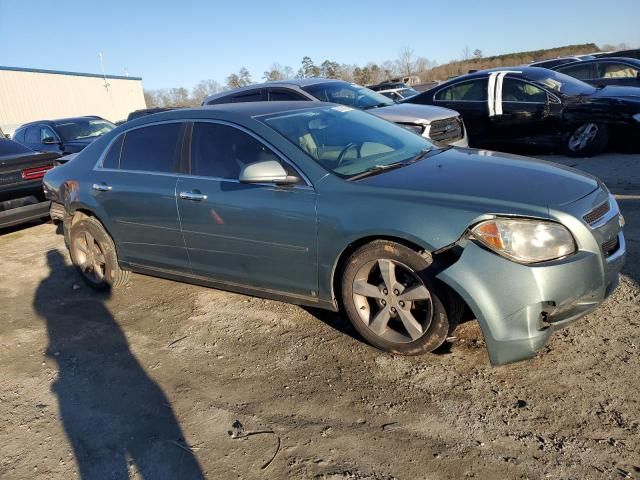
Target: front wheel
[[587, 140], [390, 300], [94, 255]]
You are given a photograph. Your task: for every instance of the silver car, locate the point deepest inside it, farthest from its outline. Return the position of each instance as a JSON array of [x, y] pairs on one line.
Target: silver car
[[443, 125]]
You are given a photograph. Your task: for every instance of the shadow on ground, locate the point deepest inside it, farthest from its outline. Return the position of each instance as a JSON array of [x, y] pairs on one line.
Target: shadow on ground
[[116, 417]]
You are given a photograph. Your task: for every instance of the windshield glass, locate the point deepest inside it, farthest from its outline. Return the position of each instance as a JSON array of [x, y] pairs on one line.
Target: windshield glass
[[407, 92], [83, 128], [560, 82], [346, 141], [347, 94]]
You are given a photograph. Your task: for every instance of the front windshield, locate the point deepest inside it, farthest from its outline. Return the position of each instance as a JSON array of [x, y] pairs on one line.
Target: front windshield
[[83, 128], [348, 94], [559, 82], [408, 92], [346, 141]]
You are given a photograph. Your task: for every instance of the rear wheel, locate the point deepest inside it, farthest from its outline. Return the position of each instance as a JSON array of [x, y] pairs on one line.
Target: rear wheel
[[587, 140], [94, 255], [390, 300]]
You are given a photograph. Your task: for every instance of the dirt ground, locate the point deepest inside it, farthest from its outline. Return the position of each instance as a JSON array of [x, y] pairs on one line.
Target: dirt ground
[[168, 380]]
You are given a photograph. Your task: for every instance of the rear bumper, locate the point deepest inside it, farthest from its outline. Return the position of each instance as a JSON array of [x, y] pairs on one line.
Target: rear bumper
[[15, 216]]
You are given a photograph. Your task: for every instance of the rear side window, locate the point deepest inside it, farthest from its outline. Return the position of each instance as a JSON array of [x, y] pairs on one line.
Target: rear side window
[[221, 151], [475, 90], [154, 149], [281, 95], [254, 96], [112, 158], [581, 72], [32, 135]]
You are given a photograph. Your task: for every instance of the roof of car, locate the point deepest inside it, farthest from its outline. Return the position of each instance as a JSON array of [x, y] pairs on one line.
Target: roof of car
[[249, 109], [292, 82], [632, 61], [57, 120]]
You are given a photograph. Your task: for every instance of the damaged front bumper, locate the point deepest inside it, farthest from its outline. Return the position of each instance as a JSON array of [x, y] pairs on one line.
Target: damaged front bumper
[[519, 306]]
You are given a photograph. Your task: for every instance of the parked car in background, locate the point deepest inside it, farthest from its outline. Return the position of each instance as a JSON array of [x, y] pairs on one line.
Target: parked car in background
[[147, 111], [605, 71], [529, 106], [323, 205], [438, 124], [21, 195], [397, 94], [555, 62], [65, 135], [631, 53]]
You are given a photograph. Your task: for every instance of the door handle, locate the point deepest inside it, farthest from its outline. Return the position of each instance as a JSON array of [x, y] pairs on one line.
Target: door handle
[[192, 196], [101, 187]]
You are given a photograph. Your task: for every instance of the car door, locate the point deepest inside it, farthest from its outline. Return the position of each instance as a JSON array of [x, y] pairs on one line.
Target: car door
[[260, 235], [523, 113], [135, 186], [469, 98]]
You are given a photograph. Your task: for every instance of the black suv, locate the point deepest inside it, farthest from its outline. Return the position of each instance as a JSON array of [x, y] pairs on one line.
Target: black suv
[[66, 135]]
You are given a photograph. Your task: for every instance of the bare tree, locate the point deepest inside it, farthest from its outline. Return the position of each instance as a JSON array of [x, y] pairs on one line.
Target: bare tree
[[204, 88], [406, 61], [466, 53], [477, 53], [277, 72], [240, 79]]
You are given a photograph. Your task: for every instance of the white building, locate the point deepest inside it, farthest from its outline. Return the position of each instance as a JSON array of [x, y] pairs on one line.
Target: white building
[[28, 94]]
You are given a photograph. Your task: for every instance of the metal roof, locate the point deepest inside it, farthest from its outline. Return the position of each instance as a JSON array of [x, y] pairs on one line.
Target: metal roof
[[63, 72]]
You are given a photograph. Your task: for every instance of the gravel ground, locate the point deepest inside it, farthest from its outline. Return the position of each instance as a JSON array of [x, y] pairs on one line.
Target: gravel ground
[[168, 380]]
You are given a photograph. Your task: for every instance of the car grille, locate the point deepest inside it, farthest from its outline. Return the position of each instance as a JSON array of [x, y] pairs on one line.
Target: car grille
[[611, 246], [447, 130], [597, 213]]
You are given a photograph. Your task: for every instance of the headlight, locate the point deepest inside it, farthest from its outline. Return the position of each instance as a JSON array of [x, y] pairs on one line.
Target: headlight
[[525, 241], [636, 117], [413, 128]]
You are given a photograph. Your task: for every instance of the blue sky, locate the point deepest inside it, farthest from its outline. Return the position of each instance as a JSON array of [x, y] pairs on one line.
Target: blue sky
[[171, 43]]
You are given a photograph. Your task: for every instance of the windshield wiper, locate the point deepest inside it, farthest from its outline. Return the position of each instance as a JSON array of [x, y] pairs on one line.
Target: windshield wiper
[[377, 105], [382, 168], [376, 169]]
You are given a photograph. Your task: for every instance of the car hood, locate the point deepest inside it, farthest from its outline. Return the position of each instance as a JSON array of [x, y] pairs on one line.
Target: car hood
[[489, 176], [412, 113], [616, 91]]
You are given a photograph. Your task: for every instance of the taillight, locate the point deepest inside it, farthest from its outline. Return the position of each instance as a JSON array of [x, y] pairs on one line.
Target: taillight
[[35, 172]]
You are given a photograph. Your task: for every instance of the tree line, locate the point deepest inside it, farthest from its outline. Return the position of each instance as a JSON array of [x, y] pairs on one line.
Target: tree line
[[406, 64]]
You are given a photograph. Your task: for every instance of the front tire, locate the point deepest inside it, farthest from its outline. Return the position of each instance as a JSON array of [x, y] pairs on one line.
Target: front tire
[[94, 255], [587, 140], [390, 300]]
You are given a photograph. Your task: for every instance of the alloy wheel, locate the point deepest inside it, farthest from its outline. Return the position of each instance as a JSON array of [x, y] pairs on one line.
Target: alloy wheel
[[583, 136], [392, 301], [90, 257]]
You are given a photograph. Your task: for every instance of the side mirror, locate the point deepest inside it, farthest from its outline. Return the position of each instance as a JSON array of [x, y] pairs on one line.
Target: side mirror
[[267, 171], [50, 141]]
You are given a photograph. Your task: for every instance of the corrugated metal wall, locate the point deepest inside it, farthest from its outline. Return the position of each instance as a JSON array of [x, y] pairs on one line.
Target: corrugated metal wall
[[28, 96]]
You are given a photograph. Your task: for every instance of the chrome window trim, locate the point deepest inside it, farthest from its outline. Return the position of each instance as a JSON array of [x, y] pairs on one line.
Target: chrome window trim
[[98, 165]]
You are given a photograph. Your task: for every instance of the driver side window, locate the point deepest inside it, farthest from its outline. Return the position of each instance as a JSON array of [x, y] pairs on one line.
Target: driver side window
[[47, 133], [514, 90], [221, 151]]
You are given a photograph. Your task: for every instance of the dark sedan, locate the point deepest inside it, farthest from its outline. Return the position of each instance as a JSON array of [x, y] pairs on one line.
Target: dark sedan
[[324, 205], [537, 107], [21, 195], [65, 135], [604, 71]]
